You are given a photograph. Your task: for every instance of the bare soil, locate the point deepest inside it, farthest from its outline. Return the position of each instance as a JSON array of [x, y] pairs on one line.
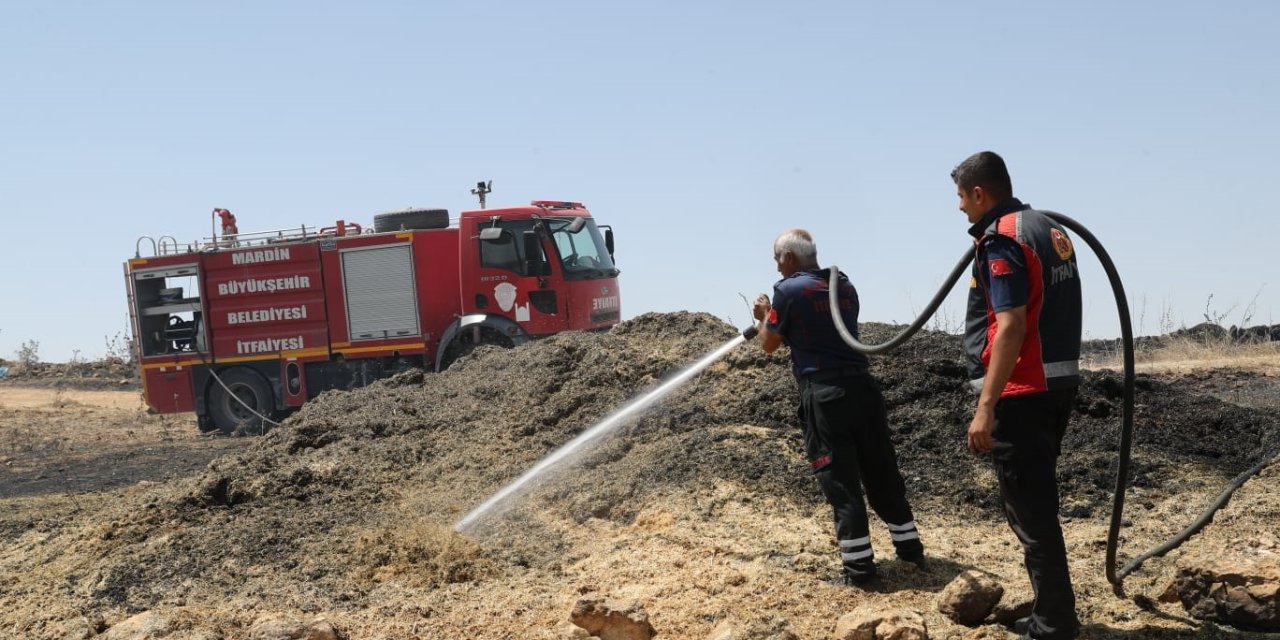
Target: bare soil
[[56, 440], [701, 509]]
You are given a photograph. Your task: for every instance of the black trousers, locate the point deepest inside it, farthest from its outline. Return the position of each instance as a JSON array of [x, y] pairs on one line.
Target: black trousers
[[846, 437], [1028, 435]]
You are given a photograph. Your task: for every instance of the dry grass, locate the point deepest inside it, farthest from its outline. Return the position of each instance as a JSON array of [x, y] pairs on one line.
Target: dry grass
[[418, 552], [1180, 355], [15, 397]]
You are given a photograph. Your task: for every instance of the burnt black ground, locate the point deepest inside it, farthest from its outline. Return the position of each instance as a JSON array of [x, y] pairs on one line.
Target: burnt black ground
[[462, 434], [289, 519]]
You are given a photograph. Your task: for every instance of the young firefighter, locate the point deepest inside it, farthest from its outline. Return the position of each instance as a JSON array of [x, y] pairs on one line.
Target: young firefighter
[[846, 430], [1022, 336]]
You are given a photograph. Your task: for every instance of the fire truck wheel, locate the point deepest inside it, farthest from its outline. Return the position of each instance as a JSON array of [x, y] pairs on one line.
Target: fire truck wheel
[[411, 219], [456, 350], [240, 411]]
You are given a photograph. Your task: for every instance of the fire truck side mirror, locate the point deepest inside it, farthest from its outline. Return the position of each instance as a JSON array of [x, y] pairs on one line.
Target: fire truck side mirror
[[534, 260], [608, 240]]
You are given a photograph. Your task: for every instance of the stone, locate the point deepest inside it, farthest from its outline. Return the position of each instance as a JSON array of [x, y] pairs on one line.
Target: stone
[[612, 620], [568, 631], [724, 631], [274, 626], [173, 624], [148, 625], [1239, 586], [969, 598], [871, 623]]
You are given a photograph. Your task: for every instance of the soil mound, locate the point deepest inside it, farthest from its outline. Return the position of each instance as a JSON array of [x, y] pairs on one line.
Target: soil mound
[[360, 487]]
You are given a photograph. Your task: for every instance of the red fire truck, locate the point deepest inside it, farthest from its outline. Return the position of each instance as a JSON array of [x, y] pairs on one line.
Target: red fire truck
[[252, 325]]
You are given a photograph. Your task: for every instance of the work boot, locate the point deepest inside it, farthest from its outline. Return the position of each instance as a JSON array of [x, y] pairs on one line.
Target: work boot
[[906, 542], [860, 575], [1021, 625], [919, 561]]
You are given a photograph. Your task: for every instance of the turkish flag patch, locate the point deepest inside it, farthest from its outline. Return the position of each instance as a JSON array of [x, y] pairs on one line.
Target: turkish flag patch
[[1000, 267], [773, 316]]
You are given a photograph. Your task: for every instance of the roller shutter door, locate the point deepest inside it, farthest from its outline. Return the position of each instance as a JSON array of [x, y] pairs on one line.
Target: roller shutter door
[[381, 301]]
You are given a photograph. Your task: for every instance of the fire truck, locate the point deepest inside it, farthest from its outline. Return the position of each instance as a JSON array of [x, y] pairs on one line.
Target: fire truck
[[243, 328]]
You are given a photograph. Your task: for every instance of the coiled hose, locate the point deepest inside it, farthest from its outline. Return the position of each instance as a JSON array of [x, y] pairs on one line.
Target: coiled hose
[[1114, 576]]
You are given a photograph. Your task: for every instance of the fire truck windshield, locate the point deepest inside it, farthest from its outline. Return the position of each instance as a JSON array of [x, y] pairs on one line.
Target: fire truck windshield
[[583, 254]]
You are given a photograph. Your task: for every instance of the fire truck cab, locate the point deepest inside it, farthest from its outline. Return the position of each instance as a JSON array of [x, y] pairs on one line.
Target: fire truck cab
[[243, 329]]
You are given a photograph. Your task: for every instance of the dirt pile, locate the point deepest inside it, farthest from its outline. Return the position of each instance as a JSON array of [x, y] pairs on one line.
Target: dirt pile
[[355, 494]]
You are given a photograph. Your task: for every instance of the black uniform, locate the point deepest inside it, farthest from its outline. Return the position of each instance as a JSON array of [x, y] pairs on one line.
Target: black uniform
[[1024, 258], [846, 430]]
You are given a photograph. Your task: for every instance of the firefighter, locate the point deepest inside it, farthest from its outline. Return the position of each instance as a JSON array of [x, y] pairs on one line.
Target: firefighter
[[1022, 338], [846, 429], [229, 229]]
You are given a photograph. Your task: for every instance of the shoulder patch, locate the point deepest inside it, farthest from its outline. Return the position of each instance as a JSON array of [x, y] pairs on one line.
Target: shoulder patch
[[773, 316], [1000, 267], [1061, 244]]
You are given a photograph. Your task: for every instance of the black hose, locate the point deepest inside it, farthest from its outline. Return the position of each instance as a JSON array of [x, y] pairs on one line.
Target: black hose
[[1114, 576], [1204, 519], [894, 342], [1126, 429]]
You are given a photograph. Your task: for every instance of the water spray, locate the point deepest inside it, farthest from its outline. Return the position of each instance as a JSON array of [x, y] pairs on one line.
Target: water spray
[[1114, 576], [502, 499]]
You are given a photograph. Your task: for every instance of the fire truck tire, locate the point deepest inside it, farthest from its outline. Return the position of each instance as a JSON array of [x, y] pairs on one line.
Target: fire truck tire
[[411, 219], [231, 415]]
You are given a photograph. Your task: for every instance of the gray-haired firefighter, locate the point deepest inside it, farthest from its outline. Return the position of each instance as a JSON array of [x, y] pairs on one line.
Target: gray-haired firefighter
[[846, 430]]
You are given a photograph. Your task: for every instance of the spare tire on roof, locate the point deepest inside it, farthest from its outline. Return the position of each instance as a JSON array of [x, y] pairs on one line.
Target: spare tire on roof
[[411, 219]]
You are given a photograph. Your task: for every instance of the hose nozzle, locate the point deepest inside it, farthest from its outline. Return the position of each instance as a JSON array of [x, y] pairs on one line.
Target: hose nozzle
[[751, 332]]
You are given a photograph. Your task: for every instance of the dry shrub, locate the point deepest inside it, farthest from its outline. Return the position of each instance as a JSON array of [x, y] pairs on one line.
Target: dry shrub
[[60, 399], [1183, 353], [420, 552]]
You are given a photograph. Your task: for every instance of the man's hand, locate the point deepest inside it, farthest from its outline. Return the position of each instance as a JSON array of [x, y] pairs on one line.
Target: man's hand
[[769, 340], [980, 440], [761, 308]]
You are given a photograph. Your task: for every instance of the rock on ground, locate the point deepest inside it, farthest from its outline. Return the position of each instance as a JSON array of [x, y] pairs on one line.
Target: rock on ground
[[970, 597], [273, 626], [155, 625], [867, 623], [1239, 587], [612, 620]]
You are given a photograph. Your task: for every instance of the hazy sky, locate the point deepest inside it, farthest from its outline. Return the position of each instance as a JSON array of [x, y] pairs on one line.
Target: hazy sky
[[698, 130]]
